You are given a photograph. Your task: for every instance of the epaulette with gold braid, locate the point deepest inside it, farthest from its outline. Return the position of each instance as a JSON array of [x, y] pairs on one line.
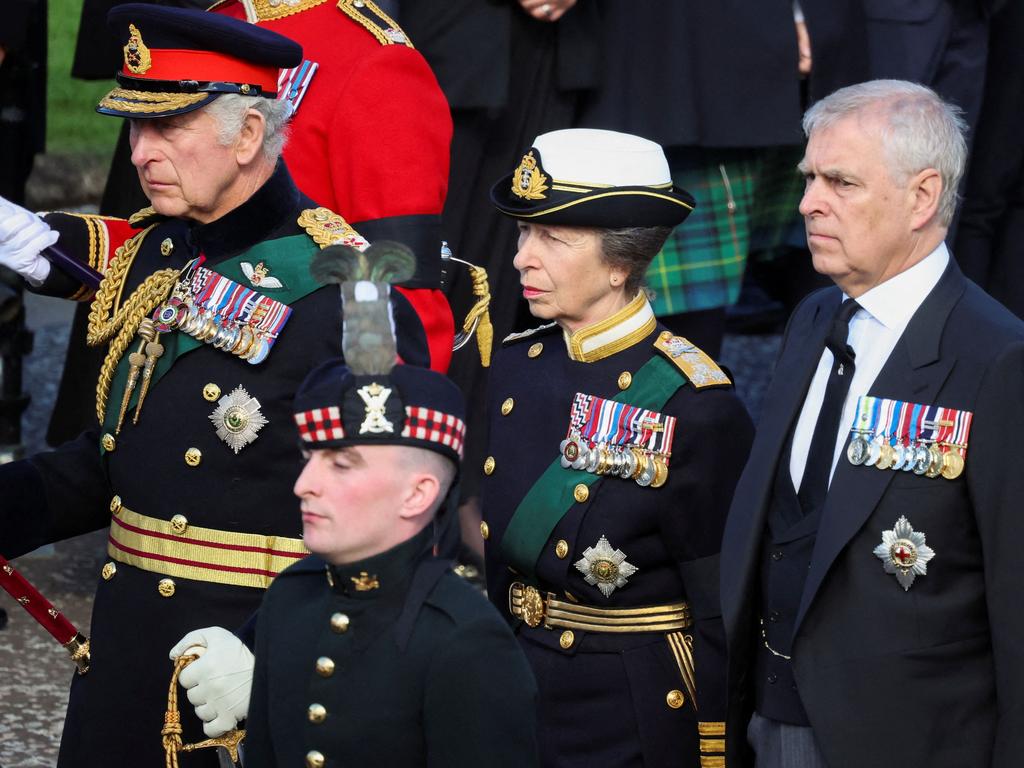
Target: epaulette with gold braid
[[376, 22], [329, 228], [699, 369], [269, 10], [142, 218], [513, 338]]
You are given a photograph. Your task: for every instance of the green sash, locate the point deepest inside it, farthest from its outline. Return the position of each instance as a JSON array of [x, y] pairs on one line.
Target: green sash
[[552, 495], [289, 257]]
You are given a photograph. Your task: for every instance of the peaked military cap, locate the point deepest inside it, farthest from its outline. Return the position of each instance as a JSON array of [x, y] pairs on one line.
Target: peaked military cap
[[176, 60], [592, 178], [411, 406]]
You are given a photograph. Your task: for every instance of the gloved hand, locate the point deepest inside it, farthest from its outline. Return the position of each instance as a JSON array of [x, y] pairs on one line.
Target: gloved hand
[[219, 681], [23, 236]]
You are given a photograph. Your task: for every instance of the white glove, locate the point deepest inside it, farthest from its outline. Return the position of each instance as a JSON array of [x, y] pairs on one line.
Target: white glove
[[23, 236], [219, 681]]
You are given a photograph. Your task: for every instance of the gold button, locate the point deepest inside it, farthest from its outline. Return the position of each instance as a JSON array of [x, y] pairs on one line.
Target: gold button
[[567, 639], [581, 493], [115, 505], [193, 456], [211, 392], [245, 88], [489, 465], [108, 442], [179, 523], [666, 335], [562, 549], [166, 587], [339, 623], [675, 699], [317, 713], [315, 759], [535, 350], [166, 247], [325, 666], [485, 530], [109, 569], [625, 379], [507, 406]]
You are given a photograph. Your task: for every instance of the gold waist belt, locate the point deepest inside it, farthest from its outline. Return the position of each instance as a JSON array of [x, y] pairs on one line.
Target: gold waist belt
[[176, 548], [528, 604]]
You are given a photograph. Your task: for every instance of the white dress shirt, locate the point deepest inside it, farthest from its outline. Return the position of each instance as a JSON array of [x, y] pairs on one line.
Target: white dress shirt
[[875, 328]]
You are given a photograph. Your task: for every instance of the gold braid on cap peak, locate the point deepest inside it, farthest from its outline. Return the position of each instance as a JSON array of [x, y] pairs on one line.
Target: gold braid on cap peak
[[145, 102], [122, 323]]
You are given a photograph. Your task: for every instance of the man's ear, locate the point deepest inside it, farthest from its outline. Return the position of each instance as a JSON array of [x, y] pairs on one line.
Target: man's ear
[[250, 138], [926, 187], [421, 493]]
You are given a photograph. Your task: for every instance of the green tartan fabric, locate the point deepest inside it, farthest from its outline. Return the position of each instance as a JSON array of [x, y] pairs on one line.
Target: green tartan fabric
[[743, 196]]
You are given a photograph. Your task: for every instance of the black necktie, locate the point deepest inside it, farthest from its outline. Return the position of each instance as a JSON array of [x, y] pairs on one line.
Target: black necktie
[[814, 484]]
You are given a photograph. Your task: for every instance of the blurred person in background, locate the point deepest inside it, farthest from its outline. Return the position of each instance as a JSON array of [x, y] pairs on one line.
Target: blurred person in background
[[992, 215], [722, 87]]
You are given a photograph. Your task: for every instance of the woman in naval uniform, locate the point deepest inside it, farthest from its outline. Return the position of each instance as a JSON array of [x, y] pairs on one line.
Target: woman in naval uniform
[[614, 449]]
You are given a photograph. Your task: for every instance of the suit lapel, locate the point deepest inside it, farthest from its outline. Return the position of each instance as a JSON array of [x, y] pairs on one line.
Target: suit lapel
[[914, 372], [782, 403]]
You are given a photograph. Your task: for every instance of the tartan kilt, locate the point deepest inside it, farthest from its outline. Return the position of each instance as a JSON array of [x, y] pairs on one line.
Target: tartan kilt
[[744, 196]]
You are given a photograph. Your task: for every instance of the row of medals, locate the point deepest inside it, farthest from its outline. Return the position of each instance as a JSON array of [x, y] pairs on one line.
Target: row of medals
[[928, 459], [210, 328], [625, 461]]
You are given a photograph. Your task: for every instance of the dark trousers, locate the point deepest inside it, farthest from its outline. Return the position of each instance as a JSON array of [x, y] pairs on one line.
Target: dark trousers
[[781, 745]]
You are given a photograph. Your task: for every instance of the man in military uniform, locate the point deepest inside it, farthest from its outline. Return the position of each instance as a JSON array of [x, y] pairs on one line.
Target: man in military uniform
[[212, 319], [371, 651], [614, 450], [369, 139]]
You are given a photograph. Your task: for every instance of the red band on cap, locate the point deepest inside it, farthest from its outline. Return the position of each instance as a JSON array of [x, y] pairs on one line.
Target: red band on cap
[[206, 66]]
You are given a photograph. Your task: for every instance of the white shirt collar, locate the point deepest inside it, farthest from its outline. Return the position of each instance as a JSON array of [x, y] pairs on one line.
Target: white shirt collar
[[894, 302]]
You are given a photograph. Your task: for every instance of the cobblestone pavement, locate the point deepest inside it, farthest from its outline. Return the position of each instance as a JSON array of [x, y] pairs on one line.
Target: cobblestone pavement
[[35, 672]]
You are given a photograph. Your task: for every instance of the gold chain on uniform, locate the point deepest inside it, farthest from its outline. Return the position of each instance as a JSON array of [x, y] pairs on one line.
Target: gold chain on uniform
[[122, 325]]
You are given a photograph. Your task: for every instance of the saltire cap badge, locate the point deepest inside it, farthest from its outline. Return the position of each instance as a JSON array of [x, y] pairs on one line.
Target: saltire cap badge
[[238, 419], [375, 397], [604, 567], [903, 553]]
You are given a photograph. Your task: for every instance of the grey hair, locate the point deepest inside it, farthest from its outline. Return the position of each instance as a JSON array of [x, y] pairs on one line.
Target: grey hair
[[230, 109], [919, 130], [632, 249]]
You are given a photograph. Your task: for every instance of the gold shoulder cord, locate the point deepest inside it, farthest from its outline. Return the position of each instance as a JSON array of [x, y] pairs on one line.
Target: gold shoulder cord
[[122, 325]]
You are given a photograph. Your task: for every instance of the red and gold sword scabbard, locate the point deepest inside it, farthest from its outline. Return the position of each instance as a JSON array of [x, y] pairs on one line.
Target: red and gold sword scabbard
[[42, 610]]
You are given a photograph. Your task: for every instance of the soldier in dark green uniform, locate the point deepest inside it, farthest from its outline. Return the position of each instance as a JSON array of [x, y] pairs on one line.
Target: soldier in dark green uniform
[[371, 651]]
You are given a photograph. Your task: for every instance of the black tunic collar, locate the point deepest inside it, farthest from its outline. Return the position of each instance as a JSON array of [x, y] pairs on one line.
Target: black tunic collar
[[270, 208], [382, 575]]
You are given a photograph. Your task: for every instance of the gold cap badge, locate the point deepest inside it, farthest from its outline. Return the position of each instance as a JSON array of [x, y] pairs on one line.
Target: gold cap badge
[[136, 54], [527, 181]]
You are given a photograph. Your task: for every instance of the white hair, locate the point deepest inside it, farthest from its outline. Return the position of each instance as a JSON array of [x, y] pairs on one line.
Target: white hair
[[230, 109], [919, 130]]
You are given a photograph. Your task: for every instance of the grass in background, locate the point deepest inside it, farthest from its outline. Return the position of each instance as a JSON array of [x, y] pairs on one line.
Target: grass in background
[[72, 125]]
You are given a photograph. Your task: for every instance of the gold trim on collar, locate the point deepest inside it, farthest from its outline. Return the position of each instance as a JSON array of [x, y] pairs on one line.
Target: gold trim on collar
[[621, 333]]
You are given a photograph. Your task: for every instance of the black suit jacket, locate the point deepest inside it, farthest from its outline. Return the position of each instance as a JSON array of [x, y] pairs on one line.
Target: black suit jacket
[[933, 675]]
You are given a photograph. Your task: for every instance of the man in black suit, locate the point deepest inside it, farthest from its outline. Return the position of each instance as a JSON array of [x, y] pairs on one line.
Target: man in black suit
[[870, 562], [940, 43]]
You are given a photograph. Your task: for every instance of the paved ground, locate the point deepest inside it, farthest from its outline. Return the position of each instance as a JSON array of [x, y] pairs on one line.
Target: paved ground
[[34, 670]]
